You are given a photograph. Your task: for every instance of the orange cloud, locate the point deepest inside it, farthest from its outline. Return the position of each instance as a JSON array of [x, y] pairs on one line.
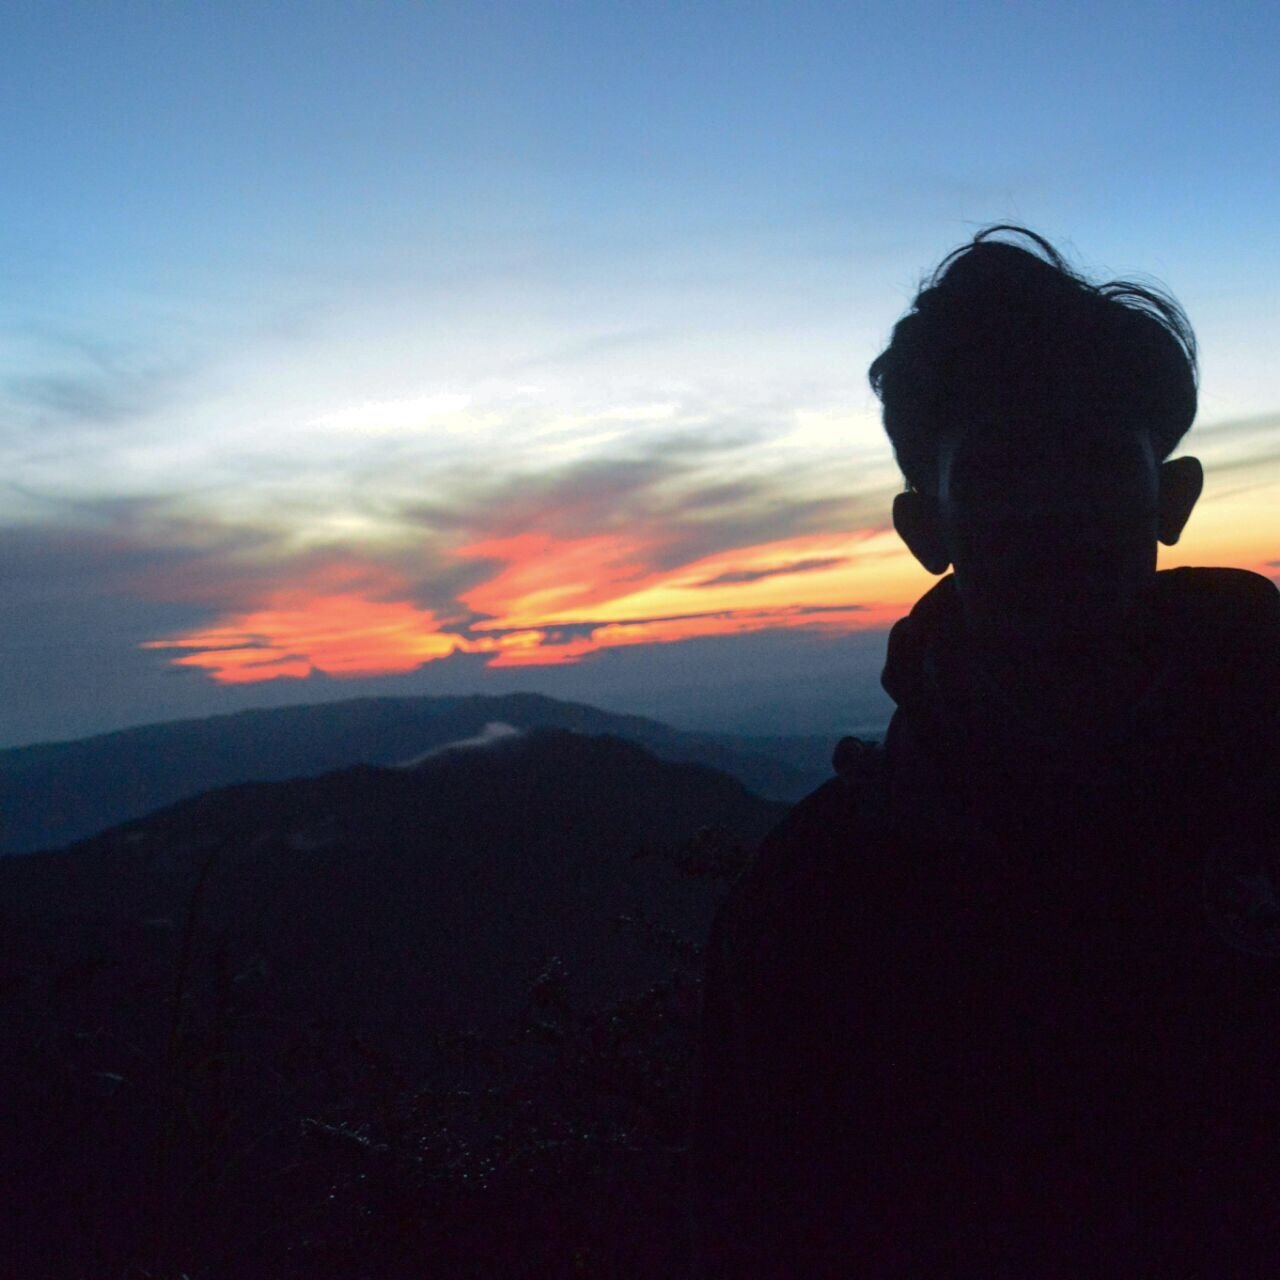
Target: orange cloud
[[841, 581], [551, 600], [533, 649], [338, 620], [859, 569], [546, 577], [667, 630]]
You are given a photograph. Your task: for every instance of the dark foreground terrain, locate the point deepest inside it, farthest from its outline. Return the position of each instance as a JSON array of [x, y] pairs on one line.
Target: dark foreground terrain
[[435, 1020]]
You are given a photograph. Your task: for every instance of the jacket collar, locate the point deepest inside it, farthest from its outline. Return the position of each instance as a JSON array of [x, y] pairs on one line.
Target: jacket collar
[[1207, 705]]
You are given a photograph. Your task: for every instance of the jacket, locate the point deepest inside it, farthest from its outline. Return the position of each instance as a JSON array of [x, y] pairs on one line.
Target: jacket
[[985, 1004]]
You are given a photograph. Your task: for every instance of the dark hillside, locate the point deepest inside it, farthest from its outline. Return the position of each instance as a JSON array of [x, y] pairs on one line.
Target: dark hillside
[[54, 793], [182, 996]]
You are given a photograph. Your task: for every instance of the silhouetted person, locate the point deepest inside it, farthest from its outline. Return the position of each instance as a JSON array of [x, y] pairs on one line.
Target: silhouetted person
[[1003, 996]]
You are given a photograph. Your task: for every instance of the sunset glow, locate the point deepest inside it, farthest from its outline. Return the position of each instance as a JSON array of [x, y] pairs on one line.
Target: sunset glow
[[433, 349], [551, 600], [526, 614], [341, 635]]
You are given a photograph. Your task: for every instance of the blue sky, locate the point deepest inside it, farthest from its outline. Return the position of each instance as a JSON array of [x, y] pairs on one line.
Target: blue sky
[[296, 295]]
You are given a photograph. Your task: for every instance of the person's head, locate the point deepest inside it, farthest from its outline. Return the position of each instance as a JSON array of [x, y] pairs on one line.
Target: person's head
[[1032, 414]]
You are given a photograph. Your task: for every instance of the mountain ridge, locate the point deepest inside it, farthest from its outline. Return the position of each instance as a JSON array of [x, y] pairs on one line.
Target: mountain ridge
[[224, 974], [52, 794]]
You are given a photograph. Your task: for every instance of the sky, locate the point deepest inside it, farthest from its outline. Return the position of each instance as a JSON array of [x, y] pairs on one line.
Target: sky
[[410, 348]]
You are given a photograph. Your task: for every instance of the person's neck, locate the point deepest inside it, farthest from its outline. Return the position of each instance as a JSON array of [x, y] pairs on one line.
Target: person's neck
[[1061, 691]]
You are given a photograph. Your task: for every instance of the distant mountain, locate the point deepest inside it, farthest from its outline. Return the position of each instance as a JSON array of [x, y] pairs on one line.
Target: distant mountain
[[468, 860], [250, 946], [518, 849], [54, 793]]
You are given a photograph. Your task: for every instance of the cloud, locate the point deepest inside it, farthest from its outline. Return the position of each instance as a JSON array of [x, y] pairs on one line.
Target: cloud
[[1235, 429], [308, 626], [506, 561], [552, 564], [484, 570], [1244, 448], [494, 731], [533, 598], [54, 398], [381, 417], [71, 630], [65, 381], [121, 549], [667, 493], [734, 576]]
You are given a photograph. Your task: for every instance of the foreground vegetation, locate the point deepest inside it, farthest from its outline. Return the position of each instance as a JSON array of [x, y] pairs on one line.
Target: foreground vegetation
[[555, 1147]]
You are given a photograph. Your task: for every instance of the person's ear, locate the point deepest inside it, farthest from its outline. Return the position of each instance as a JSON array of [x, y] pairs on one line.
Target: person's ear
[[918, 520], [1181, 481]]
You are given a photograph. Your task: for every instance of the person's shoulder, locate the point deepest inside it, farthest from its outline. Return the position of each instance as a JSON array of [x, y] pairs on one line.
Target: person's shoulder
[[804, 876], [1223, 628], [815, 843], [1221, 597]]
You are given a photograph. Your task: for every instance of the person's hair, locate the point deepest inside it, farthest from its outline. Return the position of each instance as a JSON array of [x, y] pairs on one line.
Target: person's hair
[[1001, 336]]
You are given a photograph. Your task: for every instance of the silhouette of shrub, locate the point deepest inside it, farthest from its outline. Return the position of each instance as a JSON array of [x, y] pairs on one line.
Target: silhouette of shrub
[[555, 1147], [560, 1148]]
